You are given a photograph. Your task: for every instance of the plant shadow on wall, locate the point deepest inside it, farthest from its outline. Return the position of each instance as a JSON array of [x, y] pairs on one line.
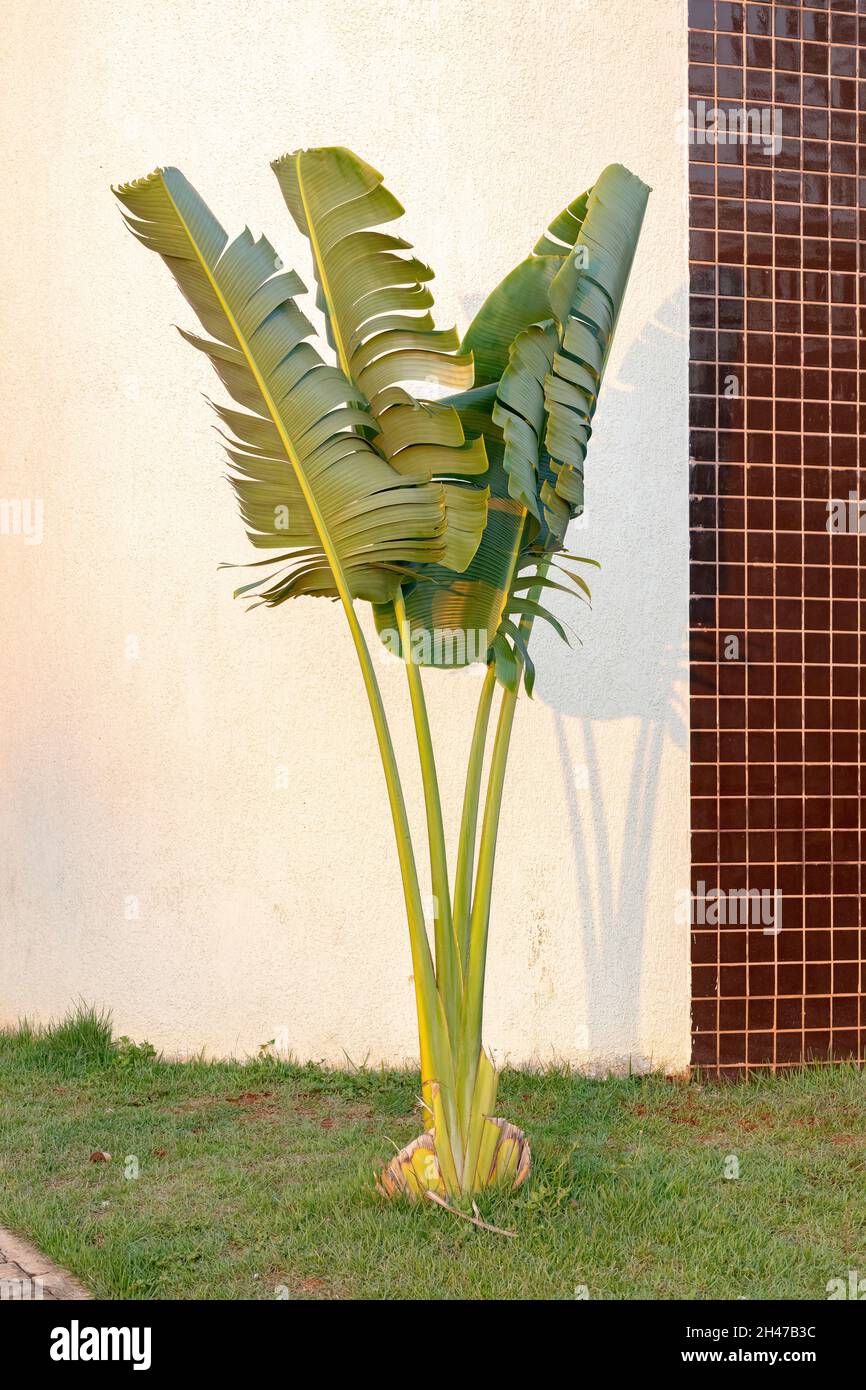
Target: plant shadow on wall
[[447, 515], [644, 693]]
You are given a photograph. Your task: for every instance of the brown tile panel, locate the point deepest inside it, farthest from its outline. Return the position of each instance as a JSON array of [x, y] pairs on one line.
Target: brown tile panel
[[778, 602]]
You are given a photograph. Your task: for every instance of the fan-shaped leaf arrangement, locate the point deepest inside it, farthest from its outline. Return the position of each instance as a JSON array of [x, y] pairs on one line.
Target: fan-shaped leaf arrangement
[[445, 508]]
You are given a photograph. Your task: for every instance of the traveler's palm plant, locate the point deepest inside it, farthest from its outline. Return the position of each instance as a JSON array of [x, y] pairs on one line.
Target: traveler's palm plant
[[448, 515]]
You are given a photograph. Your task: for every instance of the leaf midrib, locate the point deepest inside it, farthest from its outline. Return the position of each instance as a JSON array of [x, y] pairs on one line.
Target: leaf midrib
[[318, 257]]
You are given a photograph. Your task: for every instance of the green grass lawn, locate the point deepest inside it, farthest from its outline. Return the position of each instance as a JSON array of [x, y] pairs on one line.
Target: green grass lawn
[[256, 1178]]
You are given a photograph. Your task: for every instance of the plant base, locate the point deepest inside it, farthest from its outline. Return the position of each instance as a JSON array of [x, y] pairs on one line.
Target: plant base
[[415, 1170]]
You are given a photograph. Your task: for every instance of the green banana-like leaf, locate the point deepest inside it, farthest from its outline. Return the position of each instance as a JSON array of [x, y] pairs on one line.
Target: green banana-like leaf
[[586, 297], [549, 391], [368, 291], [454, 623], [536, 417], [307, 477], [376, 307], [521, 412], [522, 298], [448, 619]]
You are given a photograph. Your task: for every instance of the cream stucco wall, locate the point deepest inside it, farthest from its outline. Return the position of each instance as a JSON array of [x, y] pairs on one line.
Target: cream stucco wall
[[194, 827]]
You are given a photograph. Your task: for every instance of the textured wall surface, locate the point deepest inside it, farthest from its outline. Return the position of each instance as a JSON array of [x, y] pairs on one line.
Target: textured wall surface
[[194, 825], [778, 411]]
